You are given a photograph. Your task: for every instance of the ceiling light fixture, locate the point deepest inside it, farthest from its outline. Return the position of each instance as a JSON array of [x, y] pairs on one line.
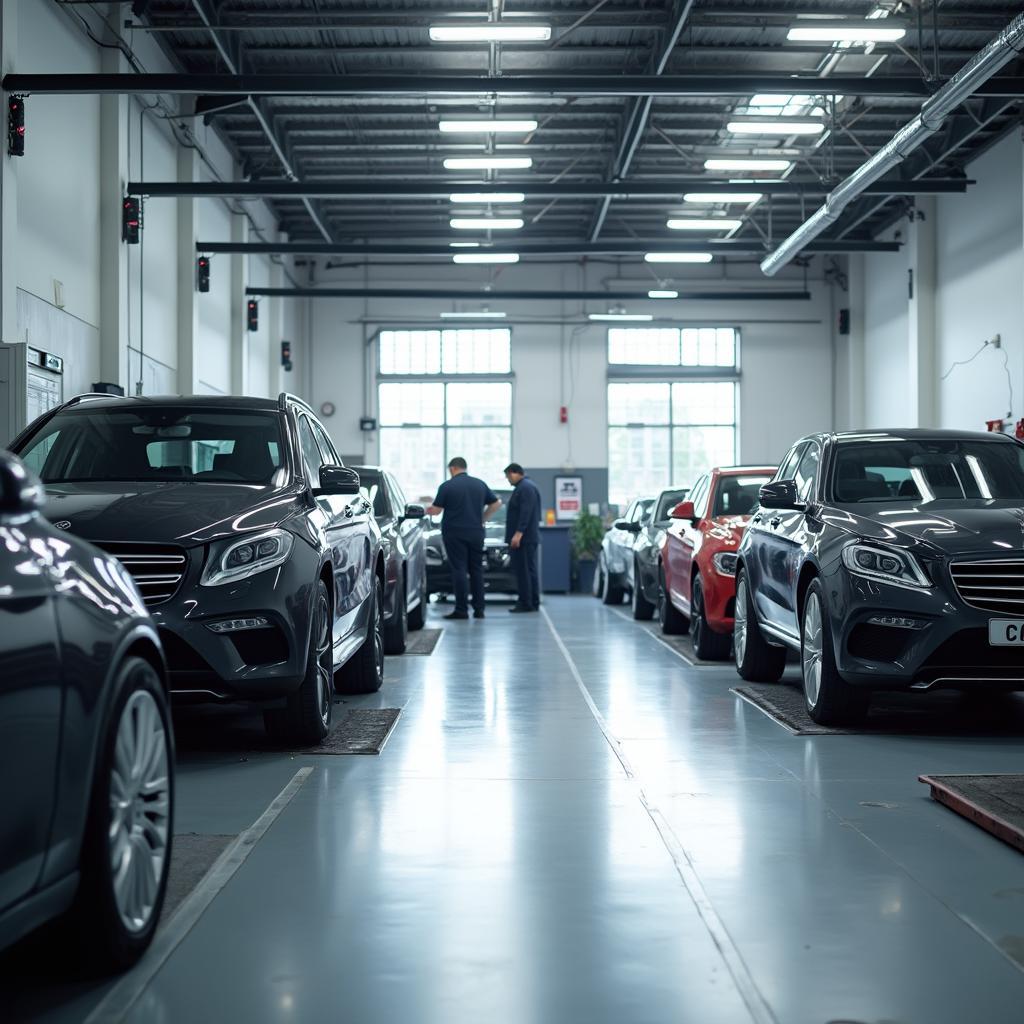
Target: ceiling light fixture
[[774, 126], [514, 127], [747, 163], [487, 163], [464, 245], [484, 315], [487, 197], [490, 32], [634, 317], [662, 293], [678, 257], [486, 257], [855, 32], [722, 197], [486, 223], [704, 223]]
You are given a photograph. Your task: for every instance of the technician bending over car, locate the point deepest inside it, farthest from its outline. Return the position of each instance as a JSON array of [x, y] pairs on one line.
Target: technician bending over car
[[467, 504]]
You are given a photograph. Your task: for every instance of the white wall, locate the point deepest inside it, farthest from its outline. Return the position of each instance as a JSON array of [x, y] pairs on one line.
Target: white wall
[[886, 323]]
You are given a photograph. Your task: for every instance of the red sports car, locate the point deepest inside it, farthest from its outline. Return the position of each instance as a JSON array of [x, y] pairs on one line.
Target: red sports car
[[697, 584]]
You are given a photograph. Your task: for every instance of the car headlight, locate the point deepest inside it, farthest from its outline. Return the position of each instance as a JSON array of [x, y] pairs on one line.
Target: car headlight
[[245, 558], [725, 562], [887, 565]]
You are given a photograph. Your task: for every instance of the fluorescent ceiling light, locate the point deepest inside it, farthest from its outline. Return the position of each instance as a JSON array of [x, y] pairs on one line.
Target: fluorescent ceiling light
[[704, 223], [464, 245], [487, 163], [517, 127], [773, 126], [486, 223], [490, 32], [487, 197], [486, 257], [826, 31], [748, 163], [678, 257], [485, 315], [722, 197], [636, 317], [662, 293]]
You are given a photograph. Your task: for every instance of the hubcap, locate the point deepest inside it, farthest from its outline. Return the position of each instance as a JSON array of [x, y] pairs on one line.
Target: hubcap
[[324, 660], [139, 810], [739, 629], [697, 625], [378, 632], [811, 649]]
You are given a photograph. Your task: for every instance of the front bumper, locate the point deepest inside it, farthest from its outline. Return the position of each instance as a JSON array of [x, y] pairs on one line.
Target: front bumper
[[947, 648], [499, 577]]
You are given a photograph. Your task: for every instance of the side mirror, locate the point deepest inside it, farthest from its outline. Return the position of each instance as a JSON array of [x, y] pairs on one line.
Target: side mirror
[[623, 524], [779, 494], [414, 512], [684, 510], [337, 480], [21, 493]]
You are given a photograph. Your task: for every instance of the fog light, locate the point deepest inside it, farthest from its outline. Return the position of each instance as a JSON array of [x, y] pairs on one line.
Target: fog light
[[898, 621], [236, 625]]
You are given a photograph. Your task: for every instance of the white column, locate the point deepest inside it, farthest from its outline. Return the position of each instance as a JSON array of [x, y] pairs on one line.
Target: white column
[[8, 192], [239, 331], [275, 325], [188, 309], [921, 314], [855, 369]]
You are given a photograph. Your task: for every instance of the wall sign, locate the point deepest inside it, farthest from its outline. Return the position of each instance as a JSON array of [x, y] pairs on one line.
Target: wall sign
[[568, 497]]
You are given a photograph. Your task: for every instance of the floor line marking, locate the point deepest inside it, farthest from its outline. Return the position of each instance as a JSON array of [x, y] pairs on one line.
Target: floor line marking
[[119, 1001], [755, 1002], [654, 636]]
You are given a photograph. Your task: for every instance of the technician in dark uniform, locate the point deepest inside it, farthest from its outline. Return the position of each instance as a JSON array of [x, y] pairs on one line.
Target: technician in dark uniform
[[522, 535], [467, 504]]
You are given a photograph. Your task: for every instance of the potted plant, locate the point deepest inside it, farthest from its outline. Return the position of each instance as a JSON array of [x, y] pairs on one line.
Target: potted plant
[[586, 533]]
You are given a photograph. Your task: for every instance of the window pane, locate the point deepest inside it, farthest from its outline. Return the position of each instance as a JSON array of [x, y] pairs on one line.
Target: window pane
[[690, 348], [697, 449], [487, 451], [415, 455], [650, 346], [479, 404], [638, 403], [476, 350], [703, 403], [410, 352], [708, 346], [638, 461], [726, 346], [411, 403]]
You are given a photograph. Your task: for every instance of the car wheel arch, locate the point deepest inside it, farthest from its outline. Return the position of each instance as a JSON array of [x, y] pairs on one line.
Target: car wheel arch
[[808, 573]]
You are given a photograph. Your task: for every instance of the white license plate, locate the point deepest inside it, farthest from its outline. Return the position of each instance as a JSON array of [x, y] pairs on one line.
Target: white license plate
[[1006, 632]]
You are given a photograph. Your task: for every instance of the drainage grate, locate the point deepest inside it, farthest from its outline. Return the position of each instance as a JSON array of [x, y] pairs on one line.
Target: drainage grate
[[361, 731], [423, 641]]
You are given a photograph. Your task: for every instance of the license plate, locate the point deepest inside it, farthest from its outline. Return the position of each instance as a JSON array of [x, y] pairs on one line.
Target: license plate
[[1006, 632]]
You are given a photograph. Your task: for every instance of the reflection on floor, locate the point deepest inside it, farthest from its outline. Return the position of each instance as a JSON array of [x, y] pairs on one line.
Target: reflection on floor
[[572, 824]]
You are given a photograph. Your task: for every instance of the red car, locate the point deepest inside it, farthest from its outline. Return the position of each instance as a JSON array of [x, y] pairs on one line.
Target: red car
[[697, 586]]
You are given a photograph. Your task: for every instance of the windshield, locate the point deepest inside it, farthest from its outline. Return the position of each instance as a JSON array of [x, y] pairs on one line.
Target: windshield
[[738, 495], [668, 501], [157, 443], [928, 470]]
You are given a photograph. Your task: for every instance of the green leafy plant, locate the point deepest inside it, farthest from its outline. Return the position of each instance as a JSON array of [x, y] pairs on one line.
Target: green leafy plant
[[587, 533]]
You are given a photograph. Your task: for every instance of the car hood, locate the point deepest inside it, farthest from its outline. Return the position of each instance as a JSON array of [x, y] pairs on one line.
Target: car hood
[[994, 526], [167, 512]]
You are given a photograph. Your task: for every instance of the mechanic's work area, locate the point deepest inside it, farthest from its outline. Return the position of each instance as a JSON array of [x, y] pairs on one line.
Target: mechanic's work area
[[512, 511]]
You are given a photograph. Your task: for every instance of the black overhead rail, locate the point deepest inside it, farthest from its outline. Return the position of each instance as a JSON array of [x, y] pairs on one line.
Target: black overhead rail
[[460, 295]]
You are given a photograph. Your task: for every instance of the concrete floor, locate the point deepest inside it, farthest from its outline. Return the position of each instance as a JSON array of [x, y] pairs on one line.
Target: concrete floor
[[571, 824]]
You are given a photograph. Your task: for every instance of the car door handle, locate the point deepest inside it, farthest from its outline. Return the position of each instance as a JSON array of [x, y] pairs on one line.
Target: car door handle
[[775, 522]]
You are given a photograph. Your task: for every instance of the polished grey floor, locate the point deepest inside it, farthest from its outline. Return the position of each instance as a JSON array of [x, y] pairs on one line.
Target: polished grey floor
[[571, 824]]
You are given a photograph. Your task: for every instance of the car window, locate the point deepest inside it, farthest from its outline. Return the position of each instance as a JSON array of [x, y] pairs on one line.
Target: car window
[[699, 496], [311, 456], [807, 472], [667, 502], [641, 513], [397, 494], [628, 514], [373, 488], [330, 456], [787, 468], [738, 495]]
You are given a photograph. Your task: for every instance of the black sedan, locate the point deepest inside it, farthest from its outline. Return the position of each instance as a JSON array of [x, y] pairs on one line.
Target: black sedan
[[86, 747], [258, 558], [643, 569], [405, 556], [888, 560]]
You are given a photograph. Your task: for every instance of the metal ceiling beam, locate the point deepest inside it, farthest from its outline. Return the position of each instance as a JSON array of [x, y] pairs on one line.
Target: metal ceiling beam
[[761, 295], [475, 85], [639, 110], [576, 190]]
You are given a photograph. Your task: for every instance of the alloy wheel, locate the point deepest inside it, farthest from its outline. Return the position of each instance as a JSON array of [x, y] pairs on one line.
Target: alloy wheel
[[139, 810], [378, 632], [324, 660], [739, 629], [811, 649], [697, 618]]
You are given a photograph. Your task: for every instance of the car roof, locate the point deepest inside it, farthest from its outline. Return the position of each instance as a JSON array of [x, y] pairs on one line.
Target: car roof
[[741, 470], [915, 434], [152, 401]]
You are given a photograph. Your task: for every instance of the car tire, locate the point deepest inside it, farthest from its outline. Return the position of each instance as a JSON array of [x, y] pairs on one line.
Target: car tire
[[306, 719], [670, 618], [597, 587], [611, 593], [130, 826], [707, 644], [757, 661], [418, 616], [397, 630], [364, 671], [829, 698], [642, 609]]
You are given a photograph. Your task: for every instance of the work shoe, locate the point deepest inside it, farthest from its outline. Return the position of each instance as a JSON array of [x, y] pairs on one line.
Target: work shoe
[[478, 613], [518, 610], [456, 615]]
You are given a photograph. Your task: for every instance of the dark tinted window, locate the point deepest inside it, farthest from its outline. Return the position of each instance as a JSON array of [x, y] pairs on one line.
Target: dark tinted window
[[157, 443], [787, 468], [928, 470], [807, 472], [738, 495], [373, 487], [667, 502]]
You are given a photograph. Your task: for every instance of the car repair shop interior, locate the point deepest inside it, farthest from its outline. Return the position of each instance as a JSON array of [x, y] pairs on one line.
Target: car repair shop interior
[[512, 510]]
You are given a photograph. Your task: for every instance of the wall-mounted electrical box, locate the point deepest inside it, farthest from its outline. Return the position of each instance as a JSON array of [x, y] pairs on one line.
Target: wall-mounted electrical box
[[31, 383]]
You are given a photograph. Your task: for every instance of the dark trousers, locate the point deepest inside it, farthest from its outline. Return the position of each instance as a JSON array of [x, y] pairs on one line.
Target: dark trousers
[[466, 555], [524, 562]]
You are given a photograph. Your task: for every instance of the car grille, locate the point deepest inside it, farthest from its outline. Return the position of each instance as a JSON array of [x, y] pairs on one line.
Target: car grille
[[995, 586], [156, 568]]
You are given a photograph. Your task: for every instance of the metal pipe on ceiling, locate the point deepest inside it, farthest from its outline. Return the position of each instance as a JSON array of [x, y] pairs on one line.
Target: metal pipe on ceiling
[[462, 295], [472, 85], [969, 81]]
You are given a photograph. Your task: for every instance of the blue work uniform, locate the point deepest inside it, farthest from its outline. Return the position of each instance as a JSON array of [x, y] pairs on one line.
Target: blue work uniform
[[464, 498], [524, 517]]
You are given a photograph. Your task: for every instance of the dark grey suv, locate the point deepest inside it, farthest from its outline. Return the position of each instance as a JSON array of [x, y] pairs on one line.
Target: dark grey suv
[[259, 560], [888, 560]]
